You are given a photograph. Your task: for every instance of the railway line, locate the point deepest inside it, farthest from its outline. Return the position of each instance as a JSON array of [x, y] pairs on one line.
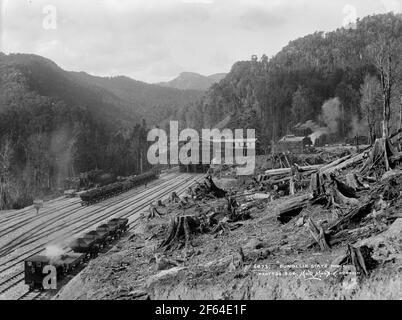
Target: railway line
[[128, 205], [39, 231], [85, 223], [62, 206], [82, 226]]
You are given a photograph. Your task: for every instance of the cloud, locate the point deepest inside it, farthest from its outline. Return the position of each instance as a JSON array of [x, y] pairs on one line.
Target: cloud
[[154, 40], [256, 18], [392, 5]]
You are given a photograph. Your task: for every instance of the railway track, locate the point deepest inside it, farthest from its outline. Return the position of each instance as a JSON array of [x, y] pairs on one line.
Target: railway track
[[90, 220], [34, 234], [18, 277], [89, 223], [61, 209], [33, 295]]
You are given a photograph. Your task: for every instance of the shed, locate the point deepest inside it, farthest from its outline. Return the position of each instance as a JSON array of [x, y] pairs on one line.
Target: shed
[[294, 144]]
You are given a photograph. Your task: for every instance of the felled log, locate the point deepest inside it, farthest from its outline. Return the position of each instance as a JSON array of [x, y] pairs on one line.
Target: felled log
[[278, 172], [335, 163], [287, 171], [350, 219], [344, 164], [307, 169], [292, 207], [337, 231]]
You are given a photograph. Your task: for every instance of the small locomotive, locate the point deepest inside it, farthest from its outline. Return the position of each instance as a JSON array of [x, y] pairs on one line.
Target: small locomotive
[[84, 248], [35, 273]]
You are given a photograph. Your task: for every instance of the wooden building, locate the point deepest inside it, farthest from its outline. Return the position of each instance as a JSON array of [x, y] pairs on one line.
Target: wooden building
[[293, 144]]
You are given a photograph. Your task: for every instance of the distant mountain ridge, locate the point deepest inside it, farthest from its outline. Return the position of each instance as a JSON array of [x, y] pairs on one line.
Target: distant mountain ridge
[[152, 102], [193, 81]]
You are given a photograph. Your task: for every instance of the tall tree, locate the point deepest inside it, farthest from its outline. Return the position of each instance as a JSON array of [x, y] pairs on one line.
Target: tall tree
[[301, 108], [6, 152], [370, 104], [385, 52]]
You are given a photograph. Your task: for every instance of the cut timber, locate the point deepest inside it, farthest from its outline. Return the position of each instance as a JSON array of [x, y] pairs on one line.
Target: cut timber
[[292, 207]]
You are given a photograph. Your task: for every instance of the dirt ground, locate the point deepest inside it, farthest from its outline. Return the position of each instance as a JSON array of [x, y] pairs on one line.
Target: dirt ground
[[259, 258]]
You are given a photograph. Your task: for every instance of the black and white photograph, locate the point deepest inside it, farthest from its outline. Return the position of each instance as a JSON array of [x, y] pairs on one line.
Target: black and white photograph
[[229, 151]]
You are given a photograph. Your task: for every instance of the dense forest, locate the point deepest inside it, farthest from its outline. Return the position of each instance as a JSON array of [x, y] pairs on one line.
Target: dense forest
[[336, 85], [56, 124]]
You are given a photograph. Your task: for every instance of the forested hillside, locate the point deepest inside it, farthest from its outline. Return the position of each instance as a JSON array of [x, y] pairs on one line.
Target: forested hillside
[[56, 124], [153, 102], [340, 81]]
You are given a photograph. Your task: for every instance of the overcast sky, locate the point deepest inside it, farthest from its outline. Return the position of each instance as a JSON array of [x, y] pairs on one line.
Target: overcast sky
[[155, 40]]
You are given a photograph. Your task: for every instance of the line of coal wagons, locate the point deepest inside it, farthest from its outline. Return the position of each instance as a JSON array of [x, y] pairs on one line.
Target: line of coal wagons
[[102, 193]]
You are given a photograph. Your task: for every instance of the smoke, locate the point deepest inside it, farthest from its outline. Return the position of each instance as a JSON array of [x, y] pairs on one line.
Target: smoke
[[60, 146], [331, 114], [54, 253], [359, 127], [317, 134], [316, 129]]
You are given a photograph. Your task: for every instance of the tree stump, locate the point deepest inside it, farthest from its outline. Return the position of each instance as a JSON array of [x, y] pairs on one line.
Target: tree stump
[[181, 228], [153, 212], [317, 232]]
